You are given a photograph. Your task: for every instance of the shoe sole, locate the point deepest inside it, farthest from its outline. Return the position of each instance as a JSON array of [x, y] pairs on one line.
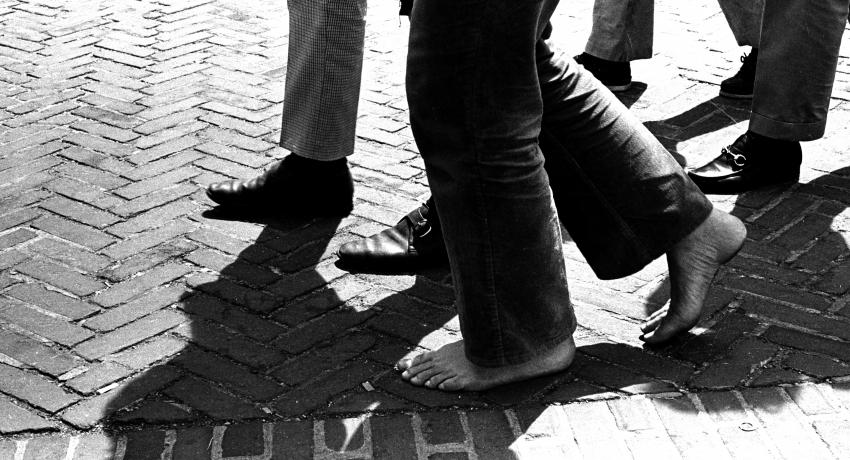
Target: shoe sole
[[734, 187], [260, 209], [736, 96], [619, 88]]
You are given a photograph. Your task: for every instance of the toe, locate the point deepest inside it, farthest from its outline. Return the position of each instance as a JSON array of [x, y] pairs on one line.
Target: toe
[[422, 375], [451, 384]]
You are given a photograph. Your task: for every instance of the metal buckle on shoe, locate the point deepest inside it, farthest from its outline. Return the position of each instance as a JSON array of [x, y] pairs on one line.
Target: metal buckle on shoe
[[417, 228], [736, 159]]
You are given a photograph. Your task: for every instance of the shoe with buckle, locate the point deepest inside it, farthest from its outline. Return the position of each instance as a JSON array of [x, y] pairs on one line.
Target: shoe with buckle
[[416, 241], [292, 186], [751, 162], [740, 85], [616, 76]]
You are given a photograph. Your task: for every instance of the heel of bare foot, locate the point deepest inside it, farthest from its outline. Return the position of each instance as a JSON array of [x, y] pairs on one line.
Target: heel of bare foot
[[692, 263], [447, 368]]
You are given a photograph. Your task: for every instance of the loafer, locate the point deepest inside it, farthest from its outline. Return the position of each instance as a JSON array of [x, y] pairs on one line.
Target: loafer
[[294, 185], [416, 241], [751, 162]]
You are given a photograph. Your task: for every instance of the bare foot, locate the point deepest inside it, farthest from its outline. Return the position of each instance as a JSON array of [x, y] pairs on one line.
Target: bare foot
[[448, 369], [693, 262]]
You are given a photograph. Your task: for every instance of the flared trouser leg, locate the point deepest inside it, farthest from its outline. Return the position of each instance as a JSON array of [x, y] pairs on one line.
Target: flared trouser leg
[[481, 85], [796, 67], [475, 110], [623, 198]]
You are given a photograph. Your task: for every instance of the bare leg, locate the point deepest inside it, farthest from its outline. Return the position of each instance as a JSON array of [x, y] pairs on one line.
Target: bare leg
[[448, 369], [693, 262]]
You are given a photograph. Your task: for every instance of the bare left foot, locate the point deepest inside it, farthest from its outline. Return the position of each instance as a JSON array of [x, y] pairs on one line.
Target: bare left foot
[[448, 369], [693, 262]]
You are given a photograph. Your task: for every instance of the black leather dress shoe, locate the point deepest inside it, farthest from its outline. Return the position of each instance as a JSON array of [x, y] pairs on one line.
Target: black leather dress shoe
[[416, 241], [294, 185], [752, 161]]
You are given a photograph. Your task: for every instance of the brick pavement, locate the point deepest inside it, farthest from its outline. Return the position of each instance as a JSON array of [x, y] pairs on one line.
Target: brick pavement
[[135, 322]]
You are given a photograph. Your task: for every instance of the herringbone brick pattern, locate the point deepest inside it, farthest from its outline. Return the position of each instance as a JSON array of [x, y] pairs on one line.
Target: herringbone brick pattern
[[125, 300]]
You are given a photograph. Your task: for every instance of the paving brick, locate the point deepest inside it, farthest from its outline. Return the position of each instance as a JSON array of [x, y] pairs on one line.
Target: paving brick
[[835, 281], [193, 442], [16, 237], [153, 200], [824, 251], [98, 144], [227, 314], [81, 234], [152, 219], [47, 447], [145, 261], [36, 354], [142, 356], [98, 376], [87, 413], [309, 365], [833, 432], [152, 184], [622, 379], [232, 267], [595, 430], [49, 327], [130, 334], [818, 366], [150, 302], [126, 290], [95, 446], [808, 342], [293, 439], [235, 346], [713, 343], [141, 444], [16, 419], [790, 437], [319, 392], [212, 401], [81, 259], [237, 377], [734, 368], [89, 170], [234, 293], [16, 218], [324, 328], [245, 439], [778, 291], [34, 389]]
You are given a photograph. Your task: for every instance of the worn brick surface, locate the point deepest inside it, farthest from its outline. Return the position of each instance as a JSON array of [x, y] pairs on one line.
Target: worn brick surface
[[125, 302]]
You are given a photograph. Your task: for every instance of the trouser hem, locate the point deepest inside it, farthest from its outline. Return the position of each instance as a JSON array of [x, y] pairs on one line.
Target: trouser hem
[[785, 131], [524, 356]]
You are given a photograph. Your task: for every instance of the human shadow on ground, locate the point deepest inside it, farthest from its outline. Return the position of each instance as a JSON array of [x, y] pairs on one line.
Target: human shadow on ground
[[704, 118], [275, 330]]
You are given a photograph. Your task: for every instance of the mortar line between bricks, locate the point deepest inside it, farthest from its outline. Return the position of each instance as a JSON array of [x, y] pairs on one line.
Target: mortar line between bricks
[[800, 217], [20, 448], [710, 426], [73, 443], [774, 322], [766, 208], [168, 444]]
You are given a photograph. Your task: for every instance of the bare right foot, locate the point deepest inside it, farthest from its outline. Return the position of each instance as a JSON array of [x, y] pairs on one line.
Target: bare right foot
[[447, 368], [693, 262]]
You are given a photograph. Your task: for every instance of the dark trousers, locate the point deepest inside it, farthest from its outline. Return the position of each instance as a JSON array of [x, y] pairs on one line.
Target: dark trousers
[[493, 108]]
